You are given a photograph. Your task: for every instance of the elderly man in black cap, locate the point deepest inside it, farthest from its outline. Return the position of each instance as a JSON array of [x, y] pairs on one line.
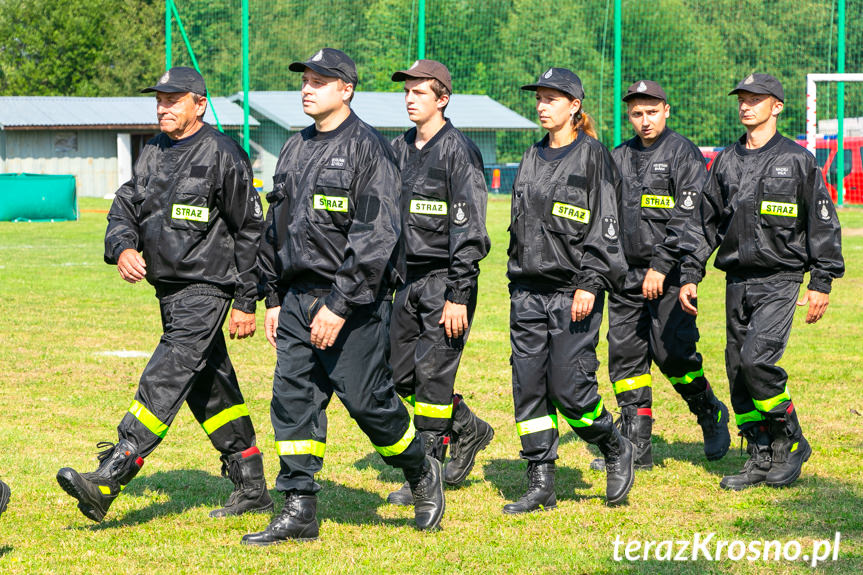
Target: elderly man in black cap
[[189, 222], [331, 258], [445, 238], [766, 211], [662, 173]]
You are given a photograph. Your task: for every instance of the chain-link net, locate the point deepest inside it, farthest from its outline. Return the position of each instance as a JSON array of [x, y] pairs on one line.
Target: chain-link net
[[697, 49]]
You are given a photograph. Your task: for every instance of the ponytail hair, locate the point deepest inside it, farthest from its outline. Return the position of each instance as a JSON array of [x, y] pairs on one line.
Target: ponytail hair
[[582, 122]]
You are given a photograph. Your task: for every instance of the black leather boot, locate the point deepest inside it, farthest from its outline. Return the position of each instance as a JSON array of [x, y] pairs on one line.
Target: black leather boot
[[428, 497], [434, 445], [755, 469], [246, 471], [297, 522], [713, 418], [790, 448], [96, 490], [619, 463], [470, 435], [635, 424], [540, 494]]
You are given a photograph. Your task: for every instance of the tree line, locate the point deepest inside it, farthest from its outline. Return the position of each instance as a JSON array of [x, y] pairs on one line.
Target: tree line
[[697, 49]]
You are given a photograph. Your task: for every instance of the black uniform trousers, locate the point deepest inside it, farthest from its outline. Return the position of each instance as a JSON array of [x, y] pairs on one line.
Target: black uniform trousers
[[423, 358], [190, 364], [758, 323], [553, 369], [642, 330], [355, 368]]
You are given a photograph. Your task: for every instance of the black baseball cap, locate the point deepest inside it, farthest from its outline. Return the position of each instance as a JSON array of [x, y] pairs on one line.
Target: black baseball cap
[[760, 84], [329, 62], [560, 79], [645, 89], [179, 79], [426, 69]]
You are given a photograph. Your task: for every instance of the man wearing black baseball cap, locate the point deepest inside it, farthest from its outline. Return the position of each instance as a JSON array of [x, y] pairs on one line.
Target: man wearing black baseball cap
[[189, 223], [445, 238], [330, 261], [767, 212], [663, 173]]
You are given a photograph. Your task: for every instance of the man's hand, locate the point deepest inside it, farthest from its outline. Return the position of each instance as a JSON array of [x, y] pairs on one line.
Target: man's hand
[[817, 304], [271, 322], [653, 282], [131, 266], [325, 328], [582, 304], [242, 324], [454, 319], [688, 298]]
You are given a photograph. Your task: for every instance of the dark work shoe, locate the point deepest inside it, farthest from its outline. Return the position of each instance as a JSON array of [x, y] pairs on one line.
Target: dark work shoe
[[246, 471], [619, 466], [297, 522], [713, 418], [5, 493], [540, 494], [790, 448], [635, 424], [428, 496], [470, 436], [755, 469], [95, 491], [401, 496]]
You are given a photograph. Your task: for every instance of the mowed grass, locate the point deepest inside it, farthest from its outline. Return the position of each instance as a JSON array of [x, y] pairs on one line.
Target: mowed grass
[[61, 308]]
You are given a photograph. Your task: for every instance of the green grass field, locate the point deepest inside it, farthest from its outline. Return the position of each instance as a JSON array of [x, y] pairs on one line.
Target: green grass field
[[61, 309]]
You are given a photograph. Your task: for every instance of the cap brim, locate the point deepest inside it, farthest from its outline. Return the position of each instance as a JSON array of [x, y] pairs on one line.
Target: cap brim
[[301, 67], [402, 75], [534, 87], [166, 88], [634, 95]]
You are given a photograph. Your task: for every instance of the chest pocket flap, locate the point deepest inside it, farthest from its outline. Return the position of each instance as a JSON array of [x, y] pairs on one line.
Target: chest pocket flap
[[568, 208]]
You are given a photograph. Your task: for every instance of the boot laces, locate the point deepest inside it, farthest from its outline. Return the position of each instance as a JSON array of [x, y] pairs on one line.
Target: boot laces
[[107, 449]]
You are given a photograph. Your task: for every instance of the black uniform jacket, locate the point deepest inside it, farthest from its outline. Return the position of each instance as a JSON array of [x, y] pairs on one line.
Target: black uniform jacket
[[661, 185], [445, 221], [769, 213], [191, 209], [564, 231], [334, 218]]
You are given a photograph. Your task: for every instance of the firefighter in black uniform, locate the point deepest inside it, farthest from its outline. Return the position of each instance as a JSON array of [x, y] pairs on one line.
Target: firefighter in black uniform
[[445, 237], [767, 212], [662, 173], [563, 252], [330, 259], [191, 209]]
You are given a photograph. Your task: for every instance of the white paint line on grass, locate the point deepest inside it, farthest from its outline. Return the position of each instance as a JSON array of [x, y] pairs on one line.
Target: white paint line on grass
[[124, 353]]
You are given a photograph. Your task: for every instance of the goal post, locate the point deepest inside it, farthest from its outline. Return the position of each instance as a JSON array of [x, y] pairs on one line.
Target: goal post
[[812, 122]]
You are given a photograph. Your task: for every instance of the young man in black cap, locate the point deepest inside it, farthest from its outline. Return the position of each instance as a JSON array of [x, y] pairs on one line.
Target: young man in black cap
[[663, 173], [766, 209], [330, 260], [445, 237], [189, 222]]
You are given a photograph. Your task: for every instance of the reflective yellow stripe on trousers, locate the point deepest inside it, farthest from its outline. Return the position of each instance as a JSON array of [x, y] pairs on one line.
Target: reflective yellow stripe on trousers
[[433, 410], [537, 424], [225, 416], [301, 447], [400, 445], [147, 419]]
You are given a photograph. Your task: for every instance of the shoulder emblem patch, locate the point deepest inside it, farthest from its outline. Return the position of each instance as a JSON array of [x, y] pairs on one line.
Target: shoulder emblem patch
[[459, 213], [610, 229], [823, 210], [687, 200]]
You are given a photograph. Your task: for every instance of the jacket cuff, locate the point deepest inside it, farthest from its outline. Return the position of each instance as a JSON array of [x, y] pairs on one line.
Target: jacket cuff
[[245, 305], [589, 287], [819, 285], [273, 300], [661, 266], [115, 253], [689, 278], [459, 296], [337, 304]]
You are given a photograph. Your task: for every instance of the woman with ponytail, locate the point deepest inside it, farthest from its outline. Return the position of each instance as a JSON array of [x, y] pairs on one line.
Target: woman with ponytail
[[564, 254]]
